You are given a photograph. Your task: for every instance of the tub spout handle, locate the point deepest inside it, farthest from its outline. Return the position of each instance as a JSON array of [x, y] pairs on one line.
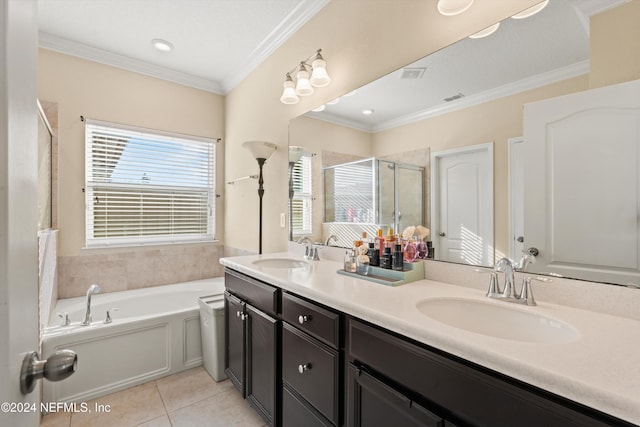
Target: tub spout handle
[[65, 316], [108, 318]]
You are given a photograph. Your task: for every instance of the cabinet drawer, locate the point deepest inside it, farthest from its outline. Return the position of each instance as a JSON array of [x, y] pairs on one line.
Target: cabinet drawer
[[320, 322], [255, 292], [311, 368], [297, 413]]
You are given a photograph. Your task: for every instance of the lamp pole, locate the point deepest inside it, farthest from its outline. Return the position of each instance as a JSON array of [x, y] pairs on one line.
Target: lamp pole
[[260, 194]]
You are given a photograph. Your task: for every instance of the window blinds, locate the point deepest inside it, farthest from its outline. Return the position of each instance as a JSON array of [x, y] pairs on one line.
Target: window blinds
[[302, 199], [350, 192], [147, 187]]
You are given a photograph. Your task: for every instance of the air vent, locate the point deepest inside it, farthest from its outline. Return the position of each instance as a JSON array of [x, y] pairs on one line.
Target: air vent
[[412, 73], [454, 97]]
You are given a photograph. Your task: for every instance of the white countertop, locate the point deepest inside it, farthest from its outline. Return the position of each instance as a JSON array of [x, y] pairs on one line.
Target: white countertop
[[601, 369]]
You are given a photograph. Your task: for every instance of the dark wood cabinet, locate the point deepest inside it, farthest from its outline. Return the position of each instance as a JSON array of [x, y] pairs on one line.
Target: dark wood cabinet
[[235, 357], [463, 393], [372, 403], [253, 342], [302, 364]]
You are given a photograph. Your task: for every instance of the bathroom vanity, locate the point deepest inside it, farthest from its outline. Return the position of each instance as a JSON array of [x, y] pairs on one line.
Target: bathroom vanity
[[309, 347]]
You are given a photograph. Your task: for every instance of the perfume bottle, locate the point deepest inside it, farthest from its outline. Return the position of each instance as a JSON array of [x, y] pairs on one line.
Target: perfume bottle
[[386, 258], [410, 251], [350, 261], [374, 255], [422, 249], [398, 258]]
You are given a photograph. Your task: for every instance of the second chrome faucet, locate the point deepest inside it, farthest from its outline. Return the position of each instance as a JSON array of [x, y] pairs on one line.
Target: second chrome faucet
[[509, 293]]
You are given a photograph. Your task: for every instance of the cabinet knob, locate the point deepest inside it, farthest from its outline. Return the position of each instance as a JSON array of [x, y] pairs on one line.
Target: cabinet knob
[[303, 318], [238, 313], [303, 368]]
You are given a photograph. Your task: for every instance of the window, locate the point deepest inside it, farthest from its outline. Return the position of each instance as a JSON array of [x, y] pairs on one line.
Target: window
[[301, 202], [145, 187]]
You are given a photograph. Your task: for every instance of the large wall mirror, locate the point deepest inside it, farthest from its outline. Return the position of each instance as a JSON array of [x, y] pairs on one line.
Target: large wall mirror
[[438, 142]]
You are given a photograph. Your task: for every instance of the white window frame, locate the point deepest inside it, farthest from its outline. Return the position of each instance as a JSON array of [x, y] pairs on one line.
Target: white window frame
[[180, 189]]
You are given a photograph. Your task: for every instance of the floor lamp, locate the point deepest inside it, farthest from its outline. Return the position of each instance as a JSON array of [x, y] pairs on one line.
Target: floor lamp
[[295, 153], [261, 151]]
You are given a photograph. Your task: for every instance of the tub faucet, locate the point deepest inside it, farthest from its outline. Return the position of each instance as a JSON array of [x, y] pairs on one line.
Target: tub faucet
[[93, 289]]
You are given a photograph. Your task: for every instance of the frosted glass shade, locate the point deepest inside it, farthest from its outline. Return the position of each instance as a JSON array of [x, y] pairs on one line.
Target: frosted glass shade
[[289, 94], [260, 149], [319, 75], [303, 85], [295, 153]]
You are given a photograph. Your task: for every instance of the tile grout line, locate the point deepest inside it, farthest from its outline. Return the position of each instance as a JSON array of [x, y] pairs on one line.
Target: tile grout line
[[164, 405]]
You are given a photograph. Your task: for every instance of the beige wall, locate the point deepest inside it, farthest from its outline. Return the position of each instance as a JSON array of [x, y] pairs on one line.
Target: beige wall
[[93, 90], [97, 91], [361, 41], [614, 53]]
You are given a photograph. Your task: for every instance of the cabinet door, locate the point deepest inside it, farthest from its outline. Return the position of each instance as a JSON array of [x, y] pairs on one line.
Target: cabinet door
[[262, 367], [372, 403], [235, 357], [297, 413]]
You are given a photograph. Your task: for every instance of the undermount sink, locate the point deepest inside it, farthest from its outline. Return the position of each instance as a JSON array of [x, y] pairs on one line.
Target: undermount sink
[[497, 320], [280, 263]]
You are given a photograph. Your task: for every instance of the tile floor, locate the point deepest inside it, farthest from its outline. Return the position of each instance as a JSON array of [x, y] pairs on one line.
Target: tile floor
[[187, 399]]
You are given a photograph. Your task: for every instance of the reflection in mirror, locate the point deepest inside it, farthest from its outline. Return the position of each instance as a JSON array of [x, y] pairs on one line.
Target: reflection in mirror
[[472, 93]]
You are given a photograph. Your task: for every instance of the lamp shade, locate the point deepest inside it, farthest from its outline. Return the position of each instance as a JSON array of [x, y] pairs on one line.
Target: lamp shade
[[289, 94], [260, 149], [295, 153], [319, 75], [303, 86]]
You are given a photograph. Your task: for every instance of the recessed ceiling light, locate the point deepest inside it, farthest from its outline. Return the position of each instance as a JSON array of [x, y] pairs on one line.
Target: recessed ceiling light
[[531, 11], [453, 7], [333, 101], [367, 112], [486, 32], [162, 45]]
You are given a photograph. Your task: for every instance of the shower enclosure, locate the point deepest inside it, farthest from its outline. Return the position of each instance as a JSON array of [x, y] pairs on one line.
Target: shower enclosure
[[374, 193]]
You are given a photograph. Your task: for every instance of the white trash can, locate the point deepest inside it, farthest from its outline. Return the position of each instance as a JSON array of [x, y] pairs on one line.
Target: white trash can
[[212, 332]]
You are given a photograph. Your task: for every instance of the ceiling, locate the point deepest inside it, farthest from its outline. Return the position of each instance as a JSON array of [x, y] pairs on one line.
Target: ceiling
[[522, 54], [217, 42]]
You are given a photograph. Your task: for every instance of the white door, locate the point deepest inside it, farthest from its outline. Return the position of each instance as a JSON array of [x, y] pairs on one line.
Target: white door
[[582, 180], [462, 205], [18, 206], [516, 197]]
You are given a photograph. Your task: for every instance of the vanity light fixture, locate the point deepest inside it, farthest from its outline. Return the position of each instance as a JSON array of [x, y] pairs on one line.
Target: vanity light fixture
[[305, 82], [319, 108], [162, 45], [261, 151], [333, 101], [453, 7], [531, 11]]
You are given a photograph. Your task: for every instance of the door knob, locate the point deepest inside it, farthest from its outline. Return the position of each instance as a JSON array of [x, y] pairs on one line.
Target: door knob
[[57, 367], [532, 251], [441, 234], [520, 239]]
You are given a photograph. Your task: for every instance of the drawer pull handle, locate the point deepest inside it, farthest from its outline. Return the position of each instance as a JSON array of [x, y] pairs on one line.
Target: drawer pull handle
[[303, 368], [241, 315], [238, 313], [303, 318]]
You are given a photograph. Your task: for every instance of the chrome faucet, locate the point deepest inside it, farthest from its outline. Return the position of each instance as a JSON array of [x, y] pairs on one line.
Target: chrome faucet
[[509, 294], [331, 237], [506, 265], [93, 289], [310, 252]]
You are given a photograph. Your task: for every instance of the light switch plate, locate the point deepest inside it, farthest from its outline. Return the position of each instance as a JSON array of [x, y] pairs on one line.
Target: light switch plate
[[282, 219]]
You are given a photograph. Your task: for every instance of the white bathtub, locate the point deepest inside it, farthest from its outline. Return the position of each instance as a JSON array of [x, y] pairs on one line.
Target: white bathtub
[[155, 332]]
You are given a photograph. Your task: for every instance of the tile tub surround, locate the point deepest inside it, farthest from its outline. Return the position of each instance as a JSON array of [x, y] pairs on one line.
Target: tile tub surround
[[137, 268], [600, 369]]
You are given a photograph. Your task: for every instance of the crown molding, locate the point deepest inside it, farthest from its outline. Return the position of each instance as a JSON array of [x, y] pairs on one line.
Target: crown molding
[[62, 45], [299, 16], [529, 83]]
